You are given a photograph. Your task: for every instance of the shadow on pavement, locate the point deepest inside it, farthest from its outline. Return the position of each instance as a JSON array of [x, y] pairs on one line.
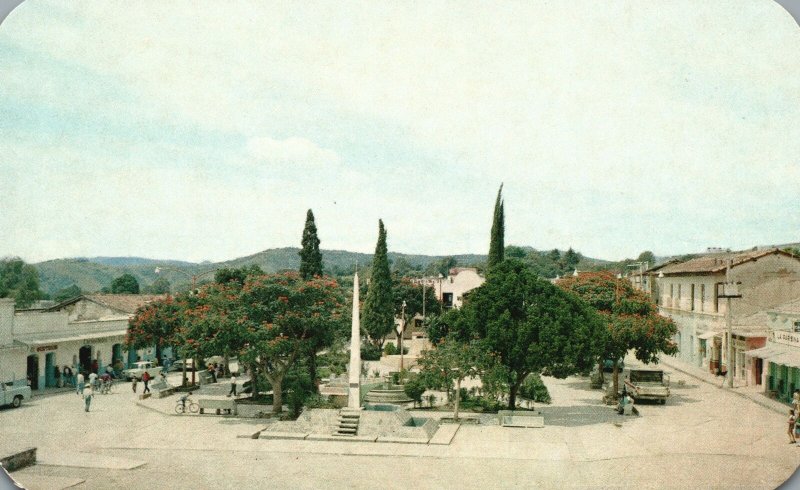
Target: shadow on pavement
[[581, 415]]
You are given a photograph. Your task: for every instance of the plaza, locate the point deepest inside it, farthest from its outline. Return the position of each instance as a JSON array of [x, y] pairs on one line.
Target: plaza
[[704, 437]]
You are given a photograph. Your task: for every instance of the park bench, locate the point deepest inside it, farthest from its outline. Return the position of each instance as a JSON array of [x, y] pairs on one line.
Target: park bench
[[229, 406], [163, 389]]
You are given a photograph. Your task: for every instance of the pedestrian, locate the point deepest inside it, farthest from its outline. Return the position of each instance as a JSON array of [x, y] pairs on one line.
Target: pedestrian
[[146, 379], [212, 372], [233, 386], [134, 382], [68, 375], [93, 380], [80, 384], [87, 397], [792, 421], [95, 366], [57, 375], [220, 370]]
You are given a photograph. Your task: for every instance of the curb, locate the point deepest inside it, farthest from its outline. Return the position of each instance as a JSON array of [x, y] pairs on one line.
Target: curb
[[729, 390]]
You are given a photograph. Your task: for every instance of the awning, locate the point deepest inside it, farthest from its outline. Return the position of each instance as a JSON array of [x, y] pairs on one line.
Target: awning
[[777, 354], [708, 335], [791, 359], [763, 352], [56, 339]]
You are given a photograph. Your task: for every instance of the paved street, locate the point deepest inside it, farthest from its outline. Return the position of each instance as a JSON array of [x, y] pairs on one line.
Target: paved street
[[704, 437]]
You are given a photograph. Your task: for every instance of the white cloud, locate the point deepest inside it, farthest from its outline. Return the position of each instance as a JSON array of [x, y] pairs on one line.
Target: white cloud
[[291, 151]]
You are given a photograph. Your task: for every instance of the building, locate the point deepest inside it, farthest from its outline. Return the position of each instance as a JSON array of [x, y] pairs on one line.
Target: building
[[690, 293], [776, 366], [450, 290], [86, 332]]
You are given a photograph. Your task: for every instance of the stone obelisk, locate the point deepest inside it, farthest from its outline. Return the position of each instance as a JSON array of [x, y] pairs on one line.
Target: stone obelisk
[[354, 387]]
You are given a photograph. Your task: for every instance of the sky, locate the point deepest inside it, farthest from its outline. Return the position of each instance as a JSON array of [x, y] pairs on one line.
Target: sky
[[205, 131]]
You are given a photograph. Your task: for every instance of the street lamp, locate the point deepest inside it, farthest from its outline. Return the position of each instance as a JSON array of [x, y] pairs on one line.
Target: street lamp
[[441, 294]]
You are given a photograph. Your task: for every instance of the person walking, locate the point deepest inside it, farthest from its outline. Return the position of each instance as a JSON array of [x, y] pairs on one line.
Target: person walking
[[134, 382], [80, 384], [93, 380], [792, 420], [57, 375], [87, 397], [212, 372], [233, 386], [146, 379]]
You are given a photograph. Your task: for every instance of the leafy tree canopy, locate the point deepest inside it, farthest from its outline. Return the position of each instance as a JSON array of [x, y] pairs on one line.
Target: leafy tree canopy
[[20, 281], [66, 293], [125, 284], [530, 324]]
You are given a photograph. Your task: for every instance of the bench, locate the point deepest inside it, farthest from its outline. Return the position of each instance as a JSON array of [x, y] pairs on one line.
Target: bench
[[229, 406], [163, 389], [512, 418]]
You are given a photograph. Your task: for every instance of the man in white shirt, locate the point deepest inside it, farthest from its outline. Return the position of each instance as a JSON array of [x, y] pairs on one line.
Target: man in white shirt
[[233, 386], [80, 383], [93, 380]]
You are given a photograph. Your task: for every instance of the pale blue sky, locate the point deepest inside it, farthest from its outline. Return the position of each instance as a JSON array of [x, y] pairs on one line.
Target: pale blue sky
[[196, 131]]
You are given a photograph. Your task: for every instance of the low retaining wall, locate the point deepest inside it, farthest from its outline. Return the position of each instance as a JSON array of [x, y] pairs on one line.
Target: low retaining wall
[[19, 460]]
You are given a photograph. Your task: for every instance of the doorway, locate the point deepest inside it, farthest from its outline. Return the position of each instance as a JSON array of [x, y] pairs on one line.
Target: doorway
[[49, 370], [33, 371], [85, 358]]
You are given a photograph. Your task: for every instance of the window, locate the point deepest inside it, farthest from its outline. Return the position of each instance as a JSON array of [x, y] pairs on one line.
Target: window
[[716, 297], [797, 326], [679, 296], [702, 297], [672, 295], [692, 297]]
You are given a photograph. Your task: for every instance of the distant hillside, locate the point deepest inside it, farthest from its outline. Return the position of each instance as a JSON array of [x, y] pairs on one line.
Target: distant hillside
[[93, 274]]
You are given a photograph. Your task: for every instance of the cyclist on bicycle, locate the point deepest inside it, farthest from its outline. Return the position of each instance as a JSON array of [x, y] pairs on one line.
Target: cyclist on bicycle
[[184, 398], [106, 382]]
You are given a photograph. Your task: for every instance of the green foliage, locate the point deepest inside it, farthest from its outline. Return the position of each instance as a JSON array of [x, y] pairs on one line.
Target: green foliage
[[533, 388], [530, 324], [377, 318], [405, 290], [647, 256], [414, 388], [391, 350], [160, 286], [236, 275], [630, 317], [514, 252], [67, 293], [310, 256], [20, 281], [441, 266], [497, 239], [370, 352], [125, 284]]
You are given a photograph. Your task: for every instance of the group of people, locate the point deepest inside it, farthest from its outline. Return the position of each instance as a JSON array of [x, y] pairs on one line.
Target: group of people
[[217, 371], [794, 424], [625, 405]]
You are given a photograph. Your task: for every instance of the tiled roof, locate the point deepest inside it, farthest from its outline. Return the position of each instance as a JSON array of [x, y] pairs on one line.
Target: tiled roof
[[125, 303], [713, 263]]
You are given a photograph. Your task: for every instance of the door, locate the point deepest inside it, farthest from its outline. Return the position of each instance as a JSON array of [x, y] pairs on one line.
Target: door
[[759, 369], [49, 370], [33, 371], [85, 358]]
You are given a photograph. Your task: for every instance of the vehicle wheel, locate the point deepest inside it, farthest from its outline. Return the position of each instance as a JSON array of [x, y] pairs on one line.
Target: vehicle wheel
[[17, 401], [178, 408], [194, 407]]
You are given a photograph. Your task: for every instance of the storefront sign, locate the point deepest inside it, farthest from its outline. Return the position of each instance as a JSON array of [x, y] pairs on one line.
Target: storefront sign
[[786, 337], [44, 348]]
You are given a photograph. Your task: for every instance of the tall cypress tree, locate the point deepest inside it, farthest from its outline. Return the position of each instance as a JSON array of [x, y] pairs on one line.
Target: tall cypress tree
[[497, 240], [310, 266], [310, 256], [378, 317]]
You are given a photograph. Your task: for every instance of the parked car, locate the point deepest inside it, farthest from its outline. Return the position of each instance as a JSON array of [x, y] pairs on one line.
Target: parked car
[[14, 392], [139, 369], [646, 384], [178, 365]]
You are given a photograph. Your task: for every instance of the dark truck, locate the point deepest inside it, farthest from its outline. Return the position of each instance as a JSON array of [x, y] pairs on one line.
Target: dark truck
[[646, 384]]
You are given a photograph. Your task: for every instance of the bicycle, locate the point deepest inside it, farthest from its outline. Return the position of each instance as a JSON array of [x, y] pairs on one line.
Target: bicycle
[[105, 387], [189, 405]]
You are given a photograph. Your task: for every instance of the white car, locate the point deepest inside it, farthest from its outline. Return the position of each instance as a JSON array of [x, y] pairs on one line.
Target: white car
[[178, 365], [12, 393], [139, 369]]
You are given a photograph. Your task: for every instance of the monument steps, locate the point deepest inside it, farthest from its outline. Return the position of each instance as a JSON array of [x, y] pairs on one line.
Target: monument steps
[[348, 423]]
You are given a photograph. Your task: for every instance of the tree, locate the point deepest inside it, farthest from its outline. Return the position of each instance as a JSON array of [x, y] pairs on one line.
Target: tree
[[378, 314], [451, 362], [530, 324], [237, 275], [125, 284], [404, 290], [310, 256], [515, 252], [311, 266], [630, 317], [647, 256], [160, 286], [159, 323], [497, 240], [20, 281], [66, 293], [571, 259]]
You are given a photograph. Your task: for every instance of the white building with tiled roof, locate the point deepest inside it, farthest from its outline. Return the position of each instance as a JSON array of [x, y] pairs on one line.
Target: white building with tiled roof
[[690, 292], [87, 332]]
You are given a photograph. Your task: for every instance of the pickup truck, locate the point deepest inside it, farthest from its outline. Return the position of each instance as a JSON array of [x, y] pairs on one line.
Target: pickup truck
[[12, 393], [139, 369], [646, 384]]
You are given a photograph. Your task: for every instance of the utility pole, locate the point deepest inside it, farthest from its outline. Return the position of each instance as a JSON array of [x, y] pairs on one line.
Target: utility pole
[[730, 291]]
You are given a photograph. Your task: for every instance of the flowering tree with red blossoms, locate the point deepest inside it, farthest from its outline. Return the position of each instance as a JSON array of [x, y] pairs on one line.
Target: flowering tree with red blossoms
[[631, 318]]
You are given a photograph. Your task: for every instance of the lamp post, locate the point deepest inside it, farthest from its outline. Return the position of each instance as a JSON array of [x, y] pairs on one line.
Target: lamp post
[[729, 292], [441, 295], [400, 332]]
